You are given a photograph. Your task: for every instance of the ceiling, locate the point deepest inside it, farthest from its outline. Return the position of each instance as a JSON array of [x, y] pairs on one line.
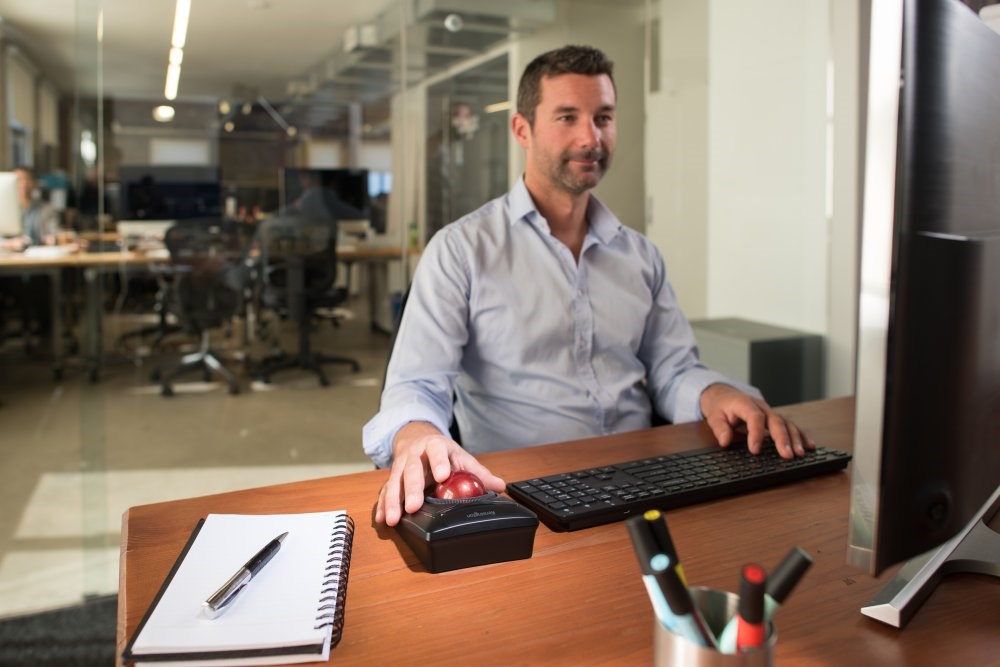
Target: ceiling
[[261, 44], [290, 52]]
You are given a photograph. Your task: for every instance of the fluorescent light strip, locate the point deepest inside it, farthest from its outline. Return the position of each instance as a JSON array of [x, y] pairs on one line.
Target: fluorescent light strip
[[498, 106], [176, 57], [181, 16], [173, 80]]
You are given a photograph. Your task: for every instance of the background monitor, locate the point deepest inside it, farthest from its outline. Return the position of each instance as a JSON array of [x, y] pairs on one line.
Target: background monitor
[[349, 185], [170, 192], [926, 468], [10, 211]]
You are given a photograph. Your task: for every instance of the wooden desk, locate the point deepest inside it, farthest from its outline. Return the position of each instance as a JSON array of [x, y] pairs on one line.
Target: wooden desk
[[579, 600], [91, 264]]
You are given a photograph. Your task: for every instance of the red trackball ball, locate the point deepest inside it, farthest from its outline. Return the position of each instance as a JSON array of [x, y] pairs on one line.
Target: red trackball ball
[[460, 484]]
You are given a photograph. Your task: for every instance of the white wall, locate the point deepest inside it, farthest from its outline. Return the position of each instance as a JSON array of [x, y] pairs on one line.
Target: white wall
[[767, 228], [845, 227], [751, 164], [677, 151]]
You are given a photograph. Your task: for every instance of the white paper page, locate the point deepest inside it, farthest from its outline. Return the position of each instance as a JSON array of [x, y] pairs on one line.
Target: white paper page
[[277, 609]]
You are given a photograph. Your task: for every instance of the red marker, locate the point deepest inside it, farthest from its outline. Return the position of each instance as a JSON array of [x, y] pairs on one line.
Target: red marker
[[750, 628]]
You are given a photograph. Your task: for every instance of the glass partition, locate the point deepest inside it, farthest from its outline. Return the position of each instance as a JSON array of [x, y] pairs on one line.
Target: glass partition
[[408, 104]]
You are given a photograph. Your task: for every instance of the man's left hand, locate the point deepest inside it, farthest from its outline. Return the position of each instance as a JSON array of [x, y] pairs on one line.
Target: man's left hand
[[725, 408]]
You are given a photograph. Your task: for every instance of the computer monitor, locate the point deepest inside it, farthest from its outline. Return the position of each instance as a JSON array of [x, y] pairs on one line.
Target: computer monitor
[[349, 185], [926, 469], [170, 192], [10, 210]]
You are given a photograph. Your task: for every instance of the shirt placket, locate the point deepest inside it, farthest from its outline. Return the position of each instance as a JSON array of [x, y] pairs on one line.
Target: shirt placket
[[583, 348]]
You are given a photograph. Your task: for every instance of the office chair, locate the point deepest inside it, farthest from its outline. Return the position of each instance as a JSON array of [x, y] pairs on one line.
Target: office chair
[[161, 307], [298, 271], [203, 295]]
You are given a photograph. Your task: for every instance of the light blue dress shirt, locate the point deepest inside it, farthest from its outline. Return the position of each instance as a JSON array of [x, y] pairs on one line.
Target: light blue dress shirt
[[536, 347]]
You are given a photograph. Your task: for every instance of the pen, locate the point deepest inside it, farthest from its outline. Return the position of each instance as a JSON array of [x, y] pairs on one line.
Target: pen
[[223, 598], [642, 542], [779, 585], [784, 578], [687, 621], [661, 535], [750, 627], [645, 549]]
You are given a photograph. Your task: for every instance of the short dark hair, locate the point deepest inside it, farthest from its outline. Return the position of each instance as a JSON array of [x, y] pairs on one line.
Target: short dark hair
[[566, 60]]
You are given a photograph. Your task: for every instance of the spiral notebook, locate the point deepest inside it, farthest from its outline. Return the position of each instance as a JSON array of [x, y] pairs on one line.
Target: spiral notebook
[[292, 611]]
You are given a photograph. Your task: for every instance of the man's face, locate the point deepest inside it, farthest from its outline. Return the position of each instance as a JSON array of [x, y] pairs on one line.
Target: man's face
[[573, 137]]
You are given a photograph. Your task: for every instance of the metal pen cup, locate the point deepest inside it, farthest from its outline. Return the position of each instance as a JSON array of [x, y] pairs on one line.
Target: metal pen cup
[[717, 608]]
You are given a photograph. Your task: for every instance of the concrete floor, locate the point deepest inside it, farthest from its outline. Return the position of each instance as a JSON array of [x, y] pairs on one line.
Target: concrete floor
[[74, 454]]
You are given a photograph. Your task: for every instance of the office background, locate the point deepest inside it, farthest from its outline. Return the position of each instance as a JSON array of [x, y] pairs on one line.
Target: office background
[[740, 130]]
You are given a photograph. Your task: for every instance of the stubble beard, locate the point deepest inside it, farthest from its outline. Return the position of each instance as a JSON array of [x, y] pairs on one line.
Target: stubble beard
[[579, 181]]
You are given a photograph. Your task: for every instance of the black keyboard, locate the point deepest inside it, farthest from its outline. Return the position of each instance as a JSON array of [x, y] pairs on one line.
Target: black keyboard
[[585, 498]]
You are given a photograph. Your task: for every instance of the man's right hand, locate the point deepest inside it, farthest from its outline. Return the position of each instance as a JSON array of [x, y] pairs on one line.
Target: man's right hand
[[421, 451]]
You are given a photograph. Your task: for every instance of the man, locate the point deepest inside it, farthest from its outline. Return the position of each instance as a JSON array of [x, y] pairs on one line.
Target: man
[[549, 318]]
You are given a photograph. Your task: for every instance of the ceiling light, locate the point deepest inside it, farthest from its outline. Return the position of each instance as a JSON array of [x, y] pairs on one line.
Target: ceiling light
[[173, 81], [229, 126], [224, 107], [498, 106], [291, 131], [176, 56], [453, 22], [163, 113], [181, 15], [247, 108]]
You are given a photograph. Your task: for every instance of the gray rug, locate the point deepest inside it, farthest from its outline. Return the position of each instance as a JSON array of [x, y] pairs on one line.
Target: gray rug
[[78, 636]]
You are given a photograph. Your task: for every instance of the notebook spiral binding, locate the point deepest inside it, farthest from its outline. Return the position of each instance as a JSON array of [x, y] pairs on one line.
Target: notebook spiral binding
[[333, 597]]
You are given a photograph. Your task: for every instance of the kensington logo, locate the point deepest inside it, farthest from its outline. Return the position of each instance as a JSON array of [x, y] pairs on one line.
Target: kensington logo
[[476, 515]]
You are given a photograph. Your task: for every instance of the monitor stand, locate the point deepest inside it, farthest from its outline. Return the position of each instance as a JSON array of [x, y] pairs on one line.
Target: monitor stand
[[976, 549]]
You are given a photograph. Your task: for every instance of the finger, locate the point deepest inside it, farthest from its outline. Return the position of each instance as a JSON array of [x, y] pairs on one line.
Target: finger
[[721, 428], [756, 423], [438, 459], [380, 506], [489, 480], [393, 512], [414, 483], [798, 439], [805, 442], [779, 434]]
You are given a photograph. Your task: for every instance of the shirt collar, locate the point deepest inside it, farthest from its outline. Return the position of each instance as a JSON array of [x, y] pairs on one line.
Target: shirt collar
[[603, 223]]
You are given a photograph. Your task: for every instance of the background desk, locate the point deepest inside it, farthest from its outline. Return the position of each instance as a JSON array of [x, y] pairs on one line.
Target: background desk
[[579, 600], [90, 264]]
